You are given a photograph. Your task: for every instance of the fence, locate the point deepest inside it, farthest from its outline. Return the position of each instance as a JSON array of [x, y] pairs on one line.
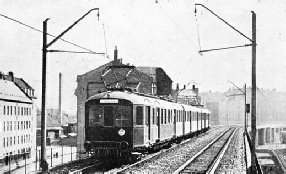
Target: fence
[[55, 155]]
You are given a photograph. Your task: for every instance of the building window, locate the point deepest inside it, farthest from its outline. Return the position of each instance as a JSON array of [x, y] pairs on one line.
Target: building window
[[18, 125], [18, 110], [11, 125], [21, 125], [4, 142], [7, 126], [7, 142], [29, 124], [11, 110], [30, 113], [21, 110], [4, 126], [14, 140], [7, 110], [11, 141], [15, 125], [15, 110], [18, 140], [4, 111]]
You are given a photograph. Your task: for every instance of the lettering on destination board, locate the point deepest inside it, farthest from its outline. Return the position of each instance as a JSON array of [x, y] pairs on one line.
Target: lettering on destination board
[[108, 101]]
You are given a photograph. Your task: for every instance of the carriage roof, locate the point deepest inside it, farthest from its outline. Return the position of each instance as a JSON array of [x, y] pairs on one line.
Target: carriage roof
[[138, 99]]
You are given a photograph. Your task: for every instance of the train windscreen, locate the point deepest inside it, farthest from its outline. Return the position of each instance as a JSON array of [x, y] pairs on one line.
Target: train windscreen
[[110, 115]]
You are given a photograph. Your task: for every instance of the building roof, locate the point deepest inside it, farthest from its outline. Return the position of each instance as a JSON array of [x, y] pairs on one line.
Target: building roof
[[10, 91], [187, 93], [151, 71]]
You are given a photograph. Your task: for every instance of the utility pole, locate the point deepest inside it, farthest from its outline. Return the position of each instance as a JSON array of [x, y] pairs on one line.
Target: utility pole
[[253, 95], [245, 121], [253, 90], [44, 164]]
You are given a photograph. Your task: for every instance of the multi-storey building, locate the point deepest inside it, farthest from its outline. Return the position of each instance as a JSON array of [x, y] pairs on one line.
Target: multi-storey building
[[17, 123]]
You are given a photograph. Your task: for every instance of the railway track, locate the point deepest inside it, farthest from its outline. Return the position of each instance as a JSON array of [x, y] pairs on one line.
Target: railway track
[[167, 161], [207, 160], [77, 166]]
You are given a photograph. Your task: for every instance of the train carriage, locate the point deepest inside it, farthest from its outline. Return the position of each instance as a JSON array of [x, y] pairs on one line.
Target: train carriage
[[121, 122]]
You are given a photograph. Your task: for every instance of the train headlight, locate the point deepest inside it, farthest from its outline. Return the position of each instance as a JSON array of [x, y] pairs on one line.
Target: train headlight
[[121, 132]]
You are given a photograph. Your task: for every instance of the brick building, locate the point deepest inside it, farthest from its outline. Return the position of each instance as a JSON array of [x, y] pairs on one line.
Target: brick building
[[18, 119]]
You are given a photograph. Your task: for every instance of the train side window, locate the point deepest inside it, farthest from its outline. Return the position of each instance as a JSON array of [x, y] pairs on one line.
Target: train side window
[[158, 116], [139, 115], [153, 117], [169, 116], [165, 116], [148, 115]]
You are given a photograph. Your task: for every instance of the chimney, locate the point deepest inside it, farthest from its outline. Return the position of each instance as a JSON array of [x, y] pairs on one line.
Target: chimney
[[11, 74], [115, 54], [60, 98], [184, 86], [177, 88], [194, 87]]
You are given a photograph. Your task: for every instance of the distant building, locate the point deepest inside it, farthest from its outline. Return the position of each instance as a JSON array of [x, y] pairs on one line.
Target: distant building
[[18, 118], [112, 74], [212, 101], [229, 107], [187, 96], [54, 127]]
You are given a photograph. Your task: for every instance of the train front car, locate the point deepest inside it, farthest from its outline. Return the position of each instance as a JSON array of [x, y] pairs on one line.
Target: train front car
[[108, 126]]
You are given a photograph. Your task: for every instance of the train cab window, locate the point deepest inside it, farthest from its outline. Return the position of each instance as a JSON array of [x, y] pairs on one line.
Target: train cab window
[[95, 116], [139, 115], [122, 116], [108, 115]]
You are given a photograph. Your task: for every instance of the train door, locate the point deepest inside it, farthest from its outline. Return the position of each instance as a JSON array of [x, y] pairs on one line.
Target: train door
[[175, 120], [197, 121], [184, 120], [190, 117], [148, 122], [201, 120]]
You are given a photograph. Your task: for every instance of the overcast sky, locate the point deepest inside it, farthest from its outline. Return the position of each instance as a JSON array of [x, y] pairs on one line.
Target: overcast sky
[[164, 34]]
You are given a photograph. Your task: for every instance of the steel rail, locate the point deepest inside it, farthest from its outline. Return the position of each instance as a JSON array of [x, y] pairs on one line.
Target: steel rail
[[180, 169]]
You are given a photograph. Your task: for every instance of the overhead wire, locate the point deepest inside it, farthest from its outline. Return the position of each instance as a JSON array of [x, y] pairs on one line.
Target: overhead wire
[[105, 41], [177, 25], [33, 28]]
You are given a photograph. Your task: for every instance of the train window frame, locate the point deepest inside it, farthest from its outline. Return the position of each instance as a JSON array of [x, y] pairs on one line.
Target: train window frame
[[147, 115], [139, 118], [165, 116], [124, 120], [158, 116], [162, 116]]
